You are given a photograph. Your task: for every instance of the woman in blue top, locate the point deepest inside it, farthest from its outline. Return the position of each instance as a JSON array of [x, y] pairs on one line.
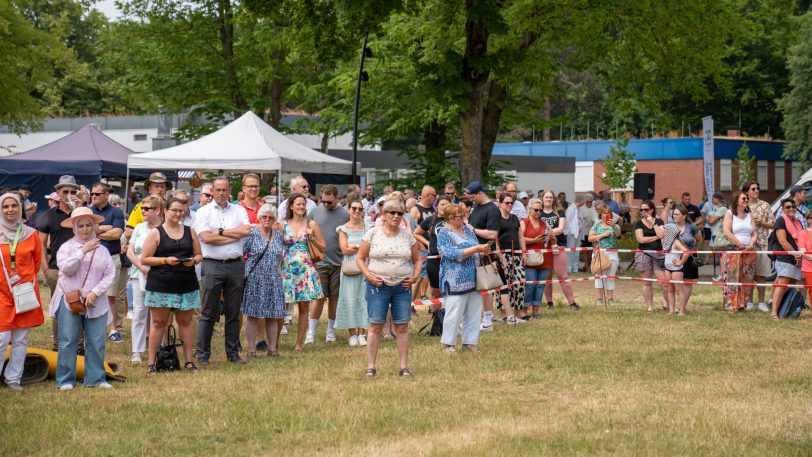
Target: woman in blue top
[[458, 247]]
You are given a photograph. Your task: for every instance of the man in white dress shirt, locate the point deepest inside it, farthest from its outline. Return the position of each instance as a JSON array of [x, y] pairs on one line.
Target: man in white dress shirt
[[221, 226]]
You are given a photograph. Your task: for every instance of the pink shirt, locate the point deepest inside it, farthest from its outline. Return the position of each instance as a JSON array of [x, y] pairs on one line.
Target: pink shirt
[[73, 265], [804, 242]]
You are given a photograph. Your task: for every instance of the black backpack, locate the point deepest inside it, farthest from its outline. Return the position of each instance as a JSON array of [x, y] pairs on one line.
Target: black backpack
[[436, 323], [792, 304], [167, 357]]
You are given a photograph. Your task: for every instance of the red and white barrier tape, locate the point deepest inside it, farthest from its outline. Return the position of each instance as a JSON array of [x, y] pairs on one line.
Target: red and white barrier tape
[[645, 251]]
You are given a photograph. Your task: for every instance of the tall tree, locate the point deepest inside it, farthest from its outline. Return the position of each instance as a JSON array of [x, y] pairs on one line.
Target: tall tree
[[797, 104]]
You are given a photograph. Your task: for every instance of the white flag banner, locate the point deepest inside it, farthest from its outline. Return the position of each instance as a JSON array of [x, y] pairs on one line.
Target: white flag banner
[[707, 135]]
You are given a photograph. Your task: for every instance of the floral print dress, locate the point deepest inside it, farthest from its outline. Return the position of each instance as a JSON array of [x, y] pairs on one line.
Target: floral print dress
[[300, 278]]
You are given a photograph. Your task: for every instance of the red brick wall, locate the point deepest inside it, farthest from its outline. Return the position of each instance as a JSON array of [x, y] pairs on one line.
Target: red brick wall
[[672, 178]]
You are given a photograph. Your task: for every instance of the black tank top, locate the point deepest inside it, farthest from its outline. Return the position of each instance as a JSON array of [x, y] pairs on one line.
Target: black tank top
[[179, 279], [424, 212]]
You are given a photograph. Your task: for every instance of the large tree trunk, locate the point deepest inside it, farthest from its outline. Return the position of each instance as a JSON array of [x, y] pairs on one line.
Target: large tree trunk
[[475, 74], [226, 18]]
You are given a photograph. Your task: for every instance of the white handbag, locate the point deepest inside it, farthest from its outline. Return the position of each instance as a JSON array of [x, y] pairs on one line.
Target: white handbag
[[535, 259], [25, 297], [349, 267], [487, 276]]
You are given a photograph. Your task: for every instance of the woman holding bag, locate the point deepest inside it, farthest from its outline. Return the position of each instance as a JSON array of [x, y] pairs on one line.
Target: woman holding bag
[[537, 268], [300, 278], [263, 296], [351, 310], [21, 254], [80, 300], [605, 234]]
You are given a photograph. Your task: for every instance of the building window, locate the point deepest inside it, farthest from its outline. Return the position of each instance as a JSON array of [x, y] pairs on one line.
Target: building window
[[140, 137], [762, 175], [725, 174], [779, 177]]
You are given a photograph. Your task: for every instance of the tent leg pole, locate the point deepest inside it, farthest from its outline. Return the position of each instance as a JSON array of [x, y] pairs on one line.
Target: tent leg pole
[[127, 191], [278, 187]]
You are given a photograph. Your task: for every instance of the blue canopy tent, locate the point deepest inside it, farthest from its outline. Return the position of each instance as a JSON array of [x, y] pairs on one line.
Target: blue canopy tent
[[87, 154]]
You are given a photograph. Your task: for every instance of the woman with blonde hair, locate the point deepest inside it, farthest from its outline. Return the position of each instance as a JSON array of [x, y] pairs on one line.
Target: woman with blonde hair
[[556, 222]]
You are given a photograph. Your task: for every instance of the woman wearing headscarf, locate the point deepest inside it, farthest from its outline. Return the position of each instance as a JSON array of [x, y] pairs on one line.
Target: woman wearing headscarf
[[86, 267], [21, 251]]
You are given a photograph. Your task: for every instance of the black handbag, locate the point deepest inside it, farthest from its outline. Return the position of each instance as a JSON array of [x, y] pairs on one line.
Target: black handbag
[[167, 357]]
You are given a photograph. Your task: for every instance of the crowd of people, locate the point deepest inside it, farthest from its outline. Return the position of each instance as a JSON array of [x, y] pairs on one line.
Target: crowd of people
[[368, 256]]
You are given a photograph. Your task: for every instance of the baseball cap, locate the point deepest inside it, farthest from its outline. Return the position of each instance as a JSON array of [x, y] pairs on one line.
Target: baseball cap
[[476, 187], [796, 188]]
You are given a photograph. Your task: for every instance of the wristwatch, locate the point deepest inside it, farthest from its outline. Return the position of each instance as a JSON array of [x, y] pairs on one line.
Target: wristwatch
[[220, 231]]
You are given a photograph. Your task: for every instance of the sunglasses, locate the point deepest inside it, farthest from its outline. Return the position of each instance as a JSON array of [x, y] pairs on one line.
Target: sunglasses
[[72, 192], [790, 207], [536, 210], [507, 202], [97, 194], [356, 209], [207, 195], [754, 188], [266, 218], [645, 209], [250, 187], [147, 208], [395, 213]]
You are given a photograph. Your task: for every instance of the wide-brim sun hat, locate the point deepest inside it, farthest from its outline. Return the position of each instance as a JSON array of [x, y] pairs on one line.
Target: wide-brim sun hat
[[82, 211], [157, 178]]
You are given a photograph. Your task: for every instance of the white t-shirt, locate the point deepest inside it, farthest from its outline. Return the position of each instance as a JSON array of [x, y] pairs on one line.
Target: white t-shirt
[[390, 257]]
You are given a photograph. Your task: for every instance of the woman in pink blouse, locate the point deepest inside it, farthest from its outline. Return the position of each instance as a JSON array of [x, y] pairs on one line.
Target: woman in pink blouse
[[88, 267]]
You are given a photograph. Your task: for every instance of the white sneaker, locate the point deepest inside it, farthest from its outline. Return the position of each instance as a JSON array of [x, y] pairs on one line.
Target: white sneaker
[[284, 330], [749, 307], [353, 341], [309, 338], [362, 340], [330, 338], [486, 327], [763, 308], [717, 278], [104, 385], [136, 358], [510, 320], [66, 387]]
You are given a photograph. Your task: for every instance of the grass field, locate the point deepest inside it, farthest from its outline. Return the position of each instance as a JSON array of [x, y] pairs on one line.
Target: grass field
[[594, 382]]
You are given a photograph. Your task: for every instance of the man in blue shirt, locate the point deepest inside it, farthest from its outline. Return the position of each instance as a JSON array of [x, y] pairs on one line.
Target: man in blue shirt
[[110, 231], [606, 196]]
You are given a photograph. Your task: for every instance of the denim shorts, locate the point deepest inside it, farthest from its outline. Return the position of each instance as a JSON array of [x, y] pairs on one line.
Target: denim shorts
[[786, 270], [380, 298]]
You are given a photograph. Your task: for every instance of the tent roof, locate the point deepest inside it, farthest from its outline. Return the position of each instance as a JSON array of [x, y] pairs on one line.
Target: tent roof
[[86, 151], [247, 143]]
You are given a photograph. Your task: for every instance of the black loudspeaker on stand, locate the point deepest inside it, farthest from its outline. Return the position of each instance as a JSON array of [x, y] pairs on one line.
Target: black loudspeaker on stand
[[644, 186]]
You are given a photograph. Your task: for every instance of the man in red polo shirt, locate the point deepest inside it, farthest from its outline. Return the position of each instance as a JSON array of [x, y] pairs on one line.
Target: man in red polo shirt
[[251, 202]]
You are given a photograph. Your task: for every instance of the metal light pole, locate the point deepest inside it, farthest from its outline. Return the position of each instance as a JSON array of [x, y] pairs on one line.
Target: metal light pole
[[362, 76]]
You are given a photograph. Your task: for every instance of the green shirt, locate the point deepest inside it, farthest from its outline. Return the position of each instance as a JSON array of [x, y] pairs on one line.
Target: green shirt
[[610, 242]]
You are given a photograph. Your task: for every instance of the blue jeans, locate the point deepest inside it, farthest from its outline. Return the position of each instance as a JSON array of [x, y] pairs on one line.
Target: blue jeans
[[95, 340], [379, 299], [534, 292]]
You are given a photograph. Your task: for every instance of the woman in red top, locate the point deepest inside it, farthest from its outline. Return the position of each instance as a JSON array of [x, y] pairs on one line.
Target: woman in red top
[[534, 231], [25, 243]]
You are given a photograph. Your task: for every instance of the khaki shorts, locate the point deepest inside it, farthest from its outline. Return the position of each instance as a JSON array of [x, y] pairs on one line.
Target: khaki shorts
[[113, 290], [764, 266], [330, 279]]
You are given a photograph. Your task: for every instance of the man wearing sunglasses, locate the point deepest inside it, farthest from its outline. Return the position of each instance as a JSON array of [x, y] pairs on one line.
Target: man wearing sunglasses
[[109, 232], [486, 219], [450, 191], [329, 215], [54, 235]]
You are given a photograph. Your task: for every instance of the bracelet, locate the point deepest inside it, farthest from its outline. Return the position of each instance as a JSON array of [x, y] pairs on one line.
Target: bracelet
[[163, 260]]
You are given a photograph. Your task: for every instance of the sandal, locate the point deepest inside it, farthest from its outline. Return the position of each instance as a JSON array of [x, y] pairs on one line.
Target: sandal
[[274, 354], [404, 372], [151, 370], [251, 355], [371, 372], [191, 367], [775, 318]]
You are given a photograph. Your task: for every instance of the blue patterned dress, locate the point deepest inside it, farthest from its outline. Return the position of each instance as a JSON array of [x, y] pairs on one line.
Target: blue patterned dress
[[263, 296], [299, 275]]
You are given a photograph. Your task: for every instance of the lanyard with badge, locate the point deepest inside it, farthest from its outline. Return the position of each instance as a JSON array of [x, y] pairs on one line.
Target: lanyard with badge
[[13, 250]]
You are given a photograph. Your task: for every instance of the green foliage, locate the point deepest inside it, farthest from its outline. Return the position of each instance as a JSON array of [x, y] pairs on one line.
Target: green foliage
[[619, 164], [744, 164], [797, 104]]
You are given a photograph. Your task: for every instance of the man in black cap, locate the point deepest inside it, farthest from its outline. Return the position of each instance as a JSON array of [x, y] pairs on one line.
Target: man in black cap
[[485, 218]]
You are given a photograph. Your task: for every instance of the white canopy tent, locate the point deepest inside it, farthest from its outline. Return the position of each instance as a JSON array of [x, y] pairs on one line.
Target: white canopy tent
[[247, 143]]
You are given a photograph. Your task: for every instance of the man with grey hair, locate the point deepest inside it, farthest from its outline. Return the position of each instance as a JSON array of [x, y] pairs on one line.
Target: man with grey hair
[[518, 208], [205, 197], [588, 218], [574, 231], [298, 185]]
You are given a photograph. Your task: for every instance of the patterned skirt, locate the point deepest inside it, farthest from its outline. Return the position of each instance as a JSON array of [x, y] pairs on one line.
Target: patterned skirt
[[176, 302]]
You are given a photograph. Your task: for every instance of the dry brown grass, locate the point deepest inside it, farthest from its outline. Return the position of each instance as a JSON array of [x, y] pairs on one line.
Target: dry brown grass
[[597, 382]]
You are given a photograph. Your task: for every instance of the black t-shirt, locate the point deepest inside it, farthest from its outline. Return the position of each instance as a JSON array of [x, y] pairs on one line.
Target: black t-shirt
[[552, 220], [509, 232], [430, 225], [693, 213], [485, 217], [49, 223], [656, 245], [774, 245]]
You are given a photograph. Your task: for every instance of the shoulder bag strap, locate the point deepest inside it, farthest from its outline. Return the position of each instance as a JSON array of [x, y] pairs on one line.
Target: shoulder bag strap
[[254, 266], [3, 261], [87, 273]]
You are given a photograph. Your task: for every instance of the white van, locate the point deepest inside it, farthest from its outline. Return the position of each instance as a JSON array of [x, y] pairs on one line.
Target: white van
[[805, 181]]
